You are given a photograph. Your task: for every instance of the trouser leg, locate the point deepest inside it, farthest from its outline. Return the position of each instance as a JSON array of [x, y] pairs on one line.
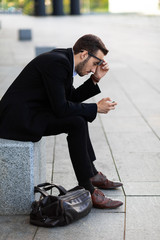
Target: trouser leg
[[89, 145], [79, 144], [81, 151], [91, 151]]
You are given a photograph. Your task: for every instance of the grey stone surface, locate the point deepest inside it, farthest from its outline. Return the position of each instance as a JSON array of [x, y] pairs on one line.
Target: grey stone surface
[[49, 148], [97, 225], [142, 188], [154, 122], [125, 124], [142, 218], [49, 172], [125, 108], [25, 34], [137, 88], [125, 145], [138, 166], [22, 165], [16, 228], [7, 74], [134, 142]]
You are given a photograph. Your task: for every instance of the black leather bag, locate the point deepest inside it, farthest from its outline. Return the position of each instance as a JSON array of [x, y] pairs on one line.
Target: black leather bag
[[67, 207]]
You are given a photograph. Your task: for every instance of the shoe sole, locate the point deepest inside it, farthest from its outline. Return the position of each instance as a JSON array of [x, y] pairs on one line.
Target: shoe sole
[[105, 188], [100, 207]]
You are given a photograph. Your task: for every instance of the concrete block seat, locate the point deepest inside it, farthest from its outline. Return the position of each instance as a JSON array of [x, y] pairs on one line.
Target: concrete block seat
[[22, 165], [25, 34]]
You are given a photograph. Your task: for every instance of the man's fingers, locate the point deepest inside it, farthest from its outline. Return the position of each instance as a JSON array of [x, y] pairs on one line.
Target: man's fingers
[[111, 108], [105, 105], [112, 105], [106, 99], [105, 67]]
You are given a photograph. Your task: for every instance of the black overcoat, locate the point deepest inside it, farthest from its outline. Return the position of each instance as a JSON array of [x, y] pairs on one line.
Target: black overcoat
[[43, 89]]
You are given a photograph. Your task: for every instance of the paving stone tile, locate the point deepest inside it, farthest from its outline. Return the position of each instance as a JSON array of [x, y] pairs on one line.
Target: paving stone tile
[[7, 75], [62, 161], [132, 84], [66, 179], [99, 143], [142, 218], [142, 188], [61, 146], [138, 167], [125, 124], [115, 193], [63, 165], [149, 111], [49, 146], [151, 77], [49, 172], [133, 142], [154, 122], [138, 87], [142, 234], [107, 167], [85, 228], [16, 228]]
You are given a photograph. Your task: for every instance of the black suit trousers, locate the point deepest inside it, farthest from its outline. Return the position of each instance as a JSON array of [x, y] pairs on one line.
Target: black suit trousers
[[80, 148]]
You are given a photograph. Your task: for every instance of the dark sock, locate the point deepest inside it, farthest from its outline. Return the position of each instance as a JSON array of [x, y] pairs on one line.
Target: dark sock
[[94, 169], [87, 185]]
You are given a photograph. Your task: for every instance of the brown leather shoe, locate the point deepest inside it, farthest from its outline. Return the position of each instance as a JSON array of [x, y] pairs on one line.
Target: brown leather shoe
[[99, 200], [100, 181]]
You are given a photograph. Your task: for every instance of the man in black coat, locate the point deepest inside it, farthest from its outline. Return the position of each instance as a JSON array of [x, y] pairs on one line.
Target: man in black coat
[[42, 101]]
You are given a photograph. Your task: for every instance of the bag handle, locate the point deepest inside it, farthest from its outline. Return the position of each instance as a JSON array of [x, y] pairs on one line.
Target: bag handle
[[44, 184], [39, 190], [48, 186]]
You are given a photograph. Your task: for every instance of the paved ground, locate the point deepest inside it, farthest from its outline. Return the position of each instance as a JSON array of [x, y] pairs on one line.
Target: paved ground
[[126, 141]]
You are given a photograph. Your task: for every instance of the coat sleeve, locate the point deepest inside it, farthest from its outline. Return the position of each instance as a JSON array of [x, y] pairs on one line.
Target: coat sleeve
[[85, 91], [54, 79]]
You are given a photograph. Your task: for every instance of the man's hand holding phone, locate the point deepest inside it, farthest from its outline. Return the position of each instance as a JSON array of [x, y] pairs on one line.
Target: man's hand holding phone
[[105, 105]]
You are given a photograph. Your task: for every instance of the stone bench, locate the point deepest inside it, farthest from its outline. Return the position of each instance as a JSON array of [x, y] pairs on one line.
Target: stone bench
[[22, 165], [25, 34]]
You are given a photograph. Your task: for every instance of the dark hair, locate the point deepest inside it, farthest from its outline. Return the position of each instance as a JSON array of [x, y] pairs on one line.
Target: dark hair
[[90, 43]]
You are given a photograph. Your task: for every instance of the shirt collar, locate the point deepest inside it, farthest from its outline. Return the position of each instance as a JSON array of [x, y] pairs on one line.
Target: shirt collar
[[74, 72]]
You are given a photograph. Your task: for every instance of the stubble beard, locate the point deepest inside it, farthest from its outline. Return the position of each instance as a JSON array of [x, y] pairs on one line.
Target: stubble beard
[[80, 66]]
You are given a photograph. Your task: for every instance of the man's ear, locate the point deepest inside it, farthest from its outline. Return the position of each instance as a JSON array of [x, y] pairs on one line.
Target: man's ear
[[83, 55]]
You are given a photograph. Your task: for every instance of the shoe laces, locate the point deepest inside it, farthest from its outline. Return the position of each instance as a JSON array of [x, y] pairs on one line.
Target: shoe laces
[[98, 192], [102, 174]]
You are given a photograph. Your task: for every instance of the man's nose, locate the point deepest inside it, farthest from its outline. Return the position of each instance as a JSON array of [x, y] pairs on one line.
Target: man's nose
[[93, 69]]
